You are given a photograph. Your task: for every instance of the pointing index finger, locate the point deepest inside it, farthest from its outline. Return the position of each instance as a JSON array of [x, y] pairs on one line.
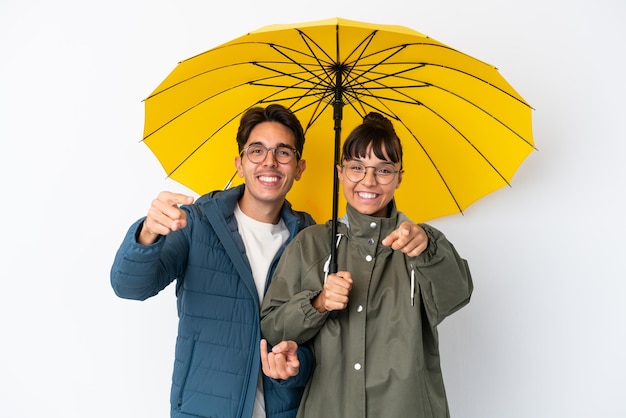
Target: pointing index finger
[[177, 199]]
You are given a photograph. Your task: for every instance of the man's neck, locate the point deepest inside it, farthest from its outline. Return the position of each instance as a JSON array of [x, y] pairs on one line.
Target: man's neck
[[260, 211]]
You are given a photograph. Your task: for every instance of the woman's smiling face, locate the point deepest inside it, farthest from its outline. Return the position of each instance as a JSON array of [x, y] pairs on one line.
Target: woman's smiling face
[[368, 196]]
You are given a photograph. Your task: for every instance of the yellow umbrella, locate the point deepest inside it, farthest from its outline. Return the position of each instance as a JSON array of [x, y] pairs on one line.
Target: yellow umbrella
[[464, 129]]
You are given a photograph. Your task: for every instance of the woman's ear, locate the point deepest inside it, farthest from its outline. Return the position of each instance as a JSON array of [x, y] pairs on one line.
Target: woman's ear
[[400, 173], [340, 172]]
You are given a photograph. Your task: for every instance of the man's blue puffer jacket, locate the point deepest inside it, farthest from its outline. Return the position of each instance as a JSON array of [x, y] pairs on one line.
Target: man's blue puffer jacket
[[217, 359]]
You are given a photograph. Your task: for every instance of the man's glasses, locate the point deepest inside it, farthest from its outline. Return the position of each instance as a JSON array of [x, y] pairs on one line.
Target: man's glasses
[[257, 153], [384, 173]]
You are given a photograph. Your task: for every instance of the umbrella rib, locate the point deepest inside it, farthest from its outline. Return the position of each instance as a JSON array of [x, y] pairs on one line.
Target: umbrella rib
[[483, 110], [266, 99], [189, 109], [451, 125], [321, 93], [277, 47], [202, 144], [387, 112], [364, 91], [426, 64], [315, 87], [253, 82], [323, 65], [394, 50], [394, 116], [316, 113]]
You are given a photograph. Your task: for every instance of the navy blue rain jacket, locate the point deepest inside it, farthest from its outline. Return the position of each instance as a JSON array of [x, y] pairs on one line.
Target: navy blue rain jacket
[[217, 359]]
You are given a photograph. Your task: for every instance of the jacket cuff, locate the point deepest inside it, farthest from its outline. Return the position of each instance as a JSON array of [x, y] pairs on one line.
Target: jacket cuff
[[312, 317], [431, 250], [140, 250]]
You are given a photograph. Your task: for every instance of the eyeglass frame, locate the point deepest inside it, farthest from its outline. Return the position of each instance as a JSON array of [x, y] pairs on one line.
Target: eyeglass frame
[[365, 167], [267, 150]]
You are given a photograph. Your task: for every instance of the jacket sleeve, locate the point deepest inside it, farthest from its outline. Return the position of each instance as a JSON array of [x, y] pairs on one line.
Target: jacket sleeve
[[287, 312], [305, 356], [442, 277], [141, 271]]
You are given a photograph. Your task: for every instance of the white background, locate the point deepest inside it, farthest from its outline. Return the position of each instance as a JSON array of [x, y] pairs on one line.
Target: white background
[[545, 333]]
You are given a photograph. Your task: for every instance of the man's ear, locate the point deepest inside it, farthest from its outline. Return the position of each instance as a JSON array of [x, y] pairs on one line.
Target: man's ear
[[300, 169], [238, 166]]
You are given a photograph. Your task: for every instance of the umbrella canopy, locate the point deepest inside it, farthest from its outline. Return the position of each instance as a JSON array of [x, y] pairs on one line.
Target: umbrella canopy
[[463, 128]]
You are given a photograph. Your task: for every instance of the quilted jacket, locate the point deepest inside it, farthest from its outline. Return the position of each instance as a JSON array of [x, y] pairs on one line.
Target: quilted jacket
[[217, 357]]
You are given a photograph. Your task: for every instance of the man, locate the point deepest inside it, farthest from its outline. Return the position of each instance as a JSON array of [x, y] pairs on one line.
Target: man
[[222, 251]]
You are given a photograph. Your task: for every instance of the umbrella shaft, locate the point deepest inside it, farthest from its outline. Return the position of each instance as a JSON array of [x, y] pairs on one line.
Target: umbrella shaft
[[337, 116]]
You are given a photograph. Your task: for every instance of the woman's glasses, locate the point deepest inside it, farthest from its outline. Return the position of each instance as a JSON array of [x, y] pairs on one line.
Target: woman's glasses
[[384, 173]]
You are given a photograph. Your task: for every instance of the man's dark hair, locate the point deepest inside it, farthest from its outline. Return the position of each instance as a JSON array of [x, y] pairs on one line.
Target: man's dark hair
[[272, 113]]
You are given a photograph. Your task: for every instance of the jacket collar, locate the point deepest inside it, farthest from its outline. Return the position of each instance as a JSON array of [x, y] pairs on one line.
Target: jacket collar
[[360, 225], [224, 202]]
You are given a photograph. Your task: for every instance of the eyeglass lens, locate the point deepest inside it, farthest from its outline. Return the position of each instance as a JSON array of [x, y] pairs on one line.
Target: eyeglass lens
[[258, 153], [384, 173]]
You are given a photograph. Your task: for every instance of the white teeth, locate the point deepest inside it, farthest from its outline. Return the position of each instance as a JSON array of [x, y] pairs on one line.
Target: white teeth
[[367, 195], [267, 179]]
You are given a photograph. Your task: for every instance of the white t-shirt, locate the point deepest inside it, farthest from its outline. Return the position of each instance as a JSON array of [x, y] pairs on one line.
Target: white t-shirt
[[262, 241]]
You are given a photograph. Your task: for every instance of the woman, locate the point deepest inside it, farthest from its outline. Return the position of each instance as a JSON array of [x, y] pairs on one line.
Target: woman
[[372, 325]]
